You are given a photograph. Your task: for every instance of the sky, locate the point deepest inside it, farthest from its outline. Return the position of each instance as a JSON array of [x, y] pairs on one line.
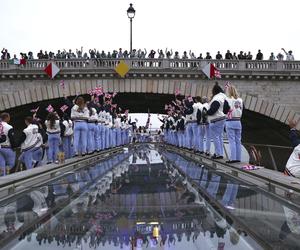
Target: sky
[[198, 25]]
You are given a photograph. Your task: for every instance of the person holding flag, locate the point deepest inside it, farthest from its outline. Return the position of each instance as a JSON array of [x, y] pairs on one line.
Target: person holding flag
[[53, 126], [80, 116], [7, 155], [67, 135], [29, 139]]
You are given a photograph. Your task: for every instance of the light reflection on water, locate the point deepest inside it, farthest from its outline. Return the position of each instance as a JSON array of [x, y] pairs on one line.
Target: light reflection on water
[[132, 201]]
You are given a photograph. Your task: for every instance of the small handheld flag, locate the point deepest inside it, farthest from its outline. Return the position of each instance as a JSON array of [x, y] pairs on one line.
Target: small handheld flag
[[34, 110], [64, 108], [50, 108]]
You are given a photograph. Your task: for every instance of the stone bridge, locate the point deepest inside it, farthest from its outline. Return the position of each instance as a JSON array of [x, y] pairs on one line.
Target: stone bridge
[[270, 88]]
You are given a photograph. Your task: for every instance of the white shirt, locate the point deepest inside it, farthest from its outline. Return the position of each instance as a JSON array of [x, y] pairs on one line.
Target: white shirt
[[55, 129], [77, 114], [6, 128], [293, 163], [219, 114], [236, 108], [69, 127], [32, 137]]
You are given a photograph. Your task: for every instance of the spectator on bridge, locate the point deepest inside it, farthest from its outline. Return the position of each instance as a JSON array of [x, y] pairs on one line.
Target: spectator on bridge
[[241, 55], [142, 54], [192, 55], [40, 55], [161, 54], [79, 52], [259, 55], [208, 56], [176, 55], [249, 56], [184, 56], [30, 55], [151, 54], [46, 56], [92, 53], [234, 56], [233, 124], [168, 53], [125, 54], [289, 55], [5, 55], [219, 56], [279, 57], [272, 57], [120, 53], [228, 55], [103, 55], [200, 57]]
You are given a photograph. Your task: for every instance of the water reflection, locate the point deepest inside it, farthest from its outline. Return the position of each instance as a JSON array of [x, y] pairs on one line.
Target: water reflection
[[141, 202], [274, 220]]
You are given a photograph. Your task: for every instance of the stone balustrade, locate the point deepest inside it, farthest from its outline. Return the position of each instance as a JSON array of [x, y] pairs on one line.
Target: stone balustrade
[[189, 66]]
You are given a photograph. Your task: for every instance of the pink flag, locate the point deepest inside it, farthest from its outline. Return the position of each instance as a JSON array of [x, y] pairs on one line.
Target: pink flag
[[107, 95], [34, 110], [98, 91], [190, 99], [62, 84], [50, 108], [91, 92], [227, 85], [64, 108], [177, 92]]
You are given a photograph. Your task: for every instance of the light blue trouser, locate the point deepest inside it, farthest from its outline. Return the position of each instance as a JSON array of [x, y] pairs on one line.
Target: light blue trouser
[[91, 137], [234, 134], [207, 138], [98, 133], [189, 135], [180, 135], [196, 135], [67, 146], [26, 157], [216, 129], [119, 136], [37, 155], [107, 137], [213, 185], [80, 137], [113, 136], [53, 146], [7, 159], [100, 137], [230, 194]]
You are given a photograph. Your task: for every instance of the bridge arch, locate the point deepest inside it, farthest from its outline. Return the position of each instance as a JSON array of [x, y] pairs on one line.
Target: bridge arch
[[43, 90]]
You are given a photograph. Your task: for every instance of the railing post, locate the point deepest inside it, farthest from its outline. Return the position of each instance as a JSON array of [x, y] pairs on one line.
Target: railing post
[[165, 64], [241, 65]]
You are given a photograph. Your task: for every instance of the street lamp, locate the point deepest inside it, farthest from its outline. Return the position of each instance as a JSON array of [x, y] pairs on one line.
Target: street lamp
[[131, 14]]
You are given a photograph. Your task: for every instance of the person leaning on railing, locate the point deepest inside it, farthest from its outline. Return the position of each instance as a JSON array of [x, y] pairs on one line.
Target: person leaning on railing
[[292, 167]]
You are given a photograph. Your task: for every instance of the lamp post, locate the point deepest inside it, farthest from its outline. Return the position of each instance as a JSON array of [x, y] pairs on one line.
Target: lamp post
[[131, 14]]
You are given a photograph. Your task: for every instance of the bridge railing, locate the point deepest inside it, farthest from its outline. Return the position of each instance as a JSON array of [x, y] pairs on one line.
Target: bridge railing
[[174, 64]]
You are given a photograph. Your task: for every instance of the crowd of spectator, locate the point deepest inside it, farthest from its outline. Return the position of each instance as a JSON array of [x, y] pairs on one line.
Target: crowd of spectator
[[142, 54]]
